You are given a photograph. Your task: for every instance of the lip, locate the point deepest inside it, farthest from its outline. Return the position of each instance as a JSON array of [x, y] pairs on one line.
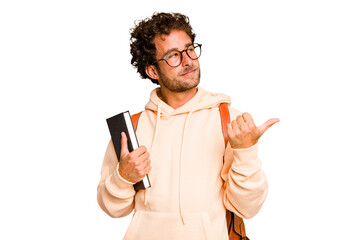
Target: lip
[[191, 72]]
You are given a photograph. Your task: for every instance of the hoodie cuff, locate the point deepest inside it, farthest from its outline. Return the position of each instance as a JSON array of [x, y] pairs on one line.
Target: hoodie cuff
[[246, 159], [118, 186]]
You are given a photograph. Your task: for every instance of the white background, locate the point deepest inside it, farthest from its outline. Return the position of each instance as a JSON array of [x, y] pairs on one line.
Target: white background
[[65, 68]]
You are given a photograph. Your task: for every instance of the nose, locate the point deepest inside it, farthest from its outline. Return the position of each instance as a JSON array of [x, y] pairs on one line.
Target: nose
[[186, 60]]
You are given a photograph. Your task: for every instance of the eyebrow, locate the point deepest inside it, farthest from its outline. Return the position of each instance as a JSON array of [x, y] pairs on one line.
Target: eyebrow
[[175, 49]]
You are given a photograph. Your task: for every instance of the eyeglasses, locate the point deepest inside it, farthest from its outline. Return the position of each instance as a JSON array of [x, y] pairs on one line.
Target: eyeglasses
[[174, 58]]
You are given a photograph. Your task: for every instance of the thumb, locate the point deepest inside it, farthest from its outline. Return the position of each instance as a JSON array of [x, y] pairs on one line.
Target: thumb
[[263, 128], [124, 145]]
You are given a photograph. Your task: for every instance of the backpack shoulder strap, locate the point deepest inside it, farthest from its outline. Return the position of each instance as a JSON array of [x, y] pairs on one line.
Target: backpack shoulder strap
[[236, 226], [134, 119], [225, 119]]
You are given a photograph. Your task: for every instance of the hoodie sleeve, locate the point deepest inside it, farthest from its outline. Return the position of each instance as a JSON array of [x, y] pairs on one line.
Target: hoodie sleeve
[[115, 195], [245, 183]]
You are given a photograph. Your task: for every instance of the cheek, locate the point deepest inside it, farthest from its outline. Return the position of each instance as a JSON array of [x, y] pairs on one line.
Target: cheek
[[167, 70], [171, 73]]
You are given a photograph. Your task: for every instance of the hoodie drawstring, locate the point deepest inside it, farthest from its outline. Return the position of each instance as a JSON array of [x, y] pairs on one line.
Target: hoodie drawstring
[[152, 143], [180, 165]]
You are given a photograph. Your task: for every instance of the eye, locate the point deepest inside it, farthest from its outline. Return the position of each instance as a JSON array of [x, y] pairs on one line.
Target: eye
[[173, 55], [191, 49]]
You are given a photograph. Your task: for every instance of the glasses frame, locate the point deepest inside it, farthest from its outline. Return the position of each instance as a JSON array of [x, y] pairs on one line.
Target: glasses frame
[[195, 45]]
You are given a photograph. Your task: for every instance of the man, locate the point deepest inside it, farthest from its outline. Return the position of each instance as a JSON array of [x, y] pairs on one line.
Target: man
[[194, 177]]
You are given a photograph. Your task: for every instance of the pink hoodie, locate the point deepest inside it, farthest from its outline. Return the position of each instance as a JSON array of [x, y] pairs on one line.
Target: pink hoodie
[[193, 177]]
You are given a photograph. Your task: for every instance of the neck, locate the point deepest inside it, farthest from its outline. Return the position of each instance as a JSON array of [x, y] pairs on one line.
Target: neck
[[177, 99]]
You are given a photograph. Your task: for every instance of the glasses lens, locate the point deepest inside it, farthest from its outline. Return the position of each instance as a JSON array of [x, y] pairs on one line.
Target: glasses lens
[[174, 58], [194, 51]]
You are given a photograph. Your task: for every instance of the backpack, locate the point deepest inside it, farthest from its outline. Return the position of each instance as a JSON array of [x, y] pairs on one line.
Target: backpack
[[235, 224]]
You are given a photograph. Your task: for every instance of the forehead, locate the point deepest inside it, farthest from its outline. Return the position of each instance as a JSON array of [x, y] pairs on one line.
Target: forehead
[[177, 39]]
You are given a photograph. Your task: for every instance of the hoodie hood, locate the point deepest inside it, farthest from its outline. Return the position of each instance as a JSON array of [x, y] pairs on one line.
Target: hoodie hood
[[202, 100]]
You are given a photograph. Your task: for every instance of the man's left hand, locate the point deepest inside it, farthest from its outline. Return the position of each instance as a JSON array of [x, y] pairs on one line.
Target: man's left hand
[[243, 133]]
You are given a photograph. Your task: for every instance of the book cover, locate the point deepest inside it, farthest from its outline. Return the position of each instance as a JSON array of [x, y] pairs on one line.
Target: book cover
[[122, 123]]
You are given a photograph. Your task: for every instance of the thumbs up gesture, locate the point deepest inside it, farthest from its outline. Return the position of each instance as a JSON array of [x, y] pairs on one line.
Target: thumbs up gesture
[[243, 133]]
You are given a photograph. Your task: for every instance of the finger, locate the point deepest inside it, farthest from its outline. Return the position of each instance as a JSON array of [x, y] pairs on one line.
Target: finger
[[248, 119], [263, 128], [143, 157], [147, 169], [240, 119], [240, 122], [139, 151], [146, 163], [235, 126], [124, 146], [229, 130]]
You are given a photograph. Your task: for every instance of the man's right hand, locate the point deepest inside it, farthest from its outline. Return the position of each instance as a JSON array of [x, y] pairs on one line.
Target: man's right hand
[[135, 165]]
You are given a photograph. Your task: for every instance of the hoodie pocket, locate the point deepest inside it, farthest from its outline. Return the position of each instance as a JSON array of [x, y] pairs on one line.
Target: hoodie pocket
[[165, 226]]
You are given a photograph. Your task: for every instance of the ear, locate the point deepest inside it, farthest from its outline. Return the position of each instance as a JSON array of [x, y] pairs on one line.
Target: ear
[[152, 72]]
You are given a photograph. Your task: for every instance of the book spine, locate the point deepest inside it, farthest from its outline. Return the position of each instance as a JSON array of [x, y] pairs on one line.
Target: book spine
[[132, 140], [133, 144]]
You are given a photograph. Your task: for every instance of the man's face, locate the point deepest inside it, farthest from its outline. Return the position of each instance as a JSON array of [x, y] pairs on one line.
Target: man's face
[[184, 77]]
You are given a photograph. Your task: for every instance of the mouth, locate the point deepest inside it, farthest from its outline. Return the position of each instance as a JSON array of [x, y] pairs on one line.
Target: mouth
[[189, 73]]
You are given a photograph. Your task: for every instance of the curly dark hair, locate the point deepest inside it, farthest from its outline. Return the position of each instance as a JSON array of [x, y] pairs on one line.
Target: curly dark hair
[[142, 47]]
